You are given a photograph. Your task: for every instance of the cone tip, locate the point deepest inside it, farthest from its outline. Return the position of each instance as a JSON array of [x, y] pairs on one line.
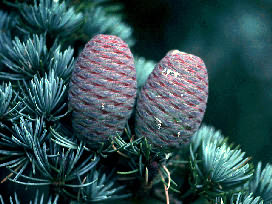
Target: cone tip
[[174, 52]]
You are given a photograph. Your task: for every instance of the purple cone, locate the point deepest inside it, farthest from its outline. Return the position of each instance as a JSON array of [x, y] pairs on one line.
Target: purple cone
[[102, 89], [172, 103]]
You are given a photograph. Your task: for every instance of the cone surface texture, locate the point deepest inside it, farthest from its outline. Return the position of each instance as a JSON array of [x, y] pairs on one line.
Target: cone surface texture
[[102, 89], [172, 102]]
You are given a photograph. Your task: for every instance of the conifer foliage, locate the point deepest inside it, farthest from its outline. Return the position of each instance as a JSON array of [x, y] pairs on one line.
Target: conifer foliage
[[83, 121]]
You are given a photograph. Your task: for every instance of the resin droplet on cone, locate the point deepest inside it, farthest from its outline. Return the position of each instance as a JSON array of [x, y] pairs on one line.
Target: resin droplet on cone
[[172, 103], [102, 89]]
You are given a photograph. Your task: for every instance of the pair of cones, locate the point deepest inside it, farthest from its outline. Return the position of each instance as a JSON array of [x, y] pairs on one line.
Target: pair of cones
[[102, 95]]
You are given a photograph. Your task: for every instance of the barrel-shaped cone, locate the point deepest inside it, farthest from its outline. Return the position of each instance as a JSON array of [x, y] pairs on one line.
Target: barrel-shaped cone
[[102, 90], [172, 103]]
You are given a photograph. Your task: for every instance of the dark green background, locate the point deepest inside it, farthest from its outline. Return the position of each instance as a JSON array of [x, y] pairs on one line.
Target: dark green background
[[234, 38]]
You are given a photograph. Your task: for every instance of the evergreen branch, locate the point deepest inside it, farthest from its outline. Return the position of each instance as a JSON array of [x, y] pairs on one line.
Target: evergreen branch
[[5, 22], [29, 178], [241, 198], [62, 140], [58, 158], [18, 167], [41, 200], [19, 147], [30, 183], [98, 22], [8, 104], [247, 199], [134, 150], [225, 166], [60, 167], [128, 172], [120, 144], [222, 168], [110, 6], [14, 162], [6, 26], [103, 189], [80, 185], [25, 138], [143, 70], [45, 97], [261, 184], [62, 63], [10, 199], [49, 16], [206, 134], [25, 59], [26, 135], [11, 153], [37, 200]]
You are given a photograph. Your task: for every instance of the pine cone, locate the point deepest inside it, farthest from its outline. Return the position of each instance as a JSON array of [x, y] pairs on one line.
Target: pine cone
[[102, 89], [172, 103]]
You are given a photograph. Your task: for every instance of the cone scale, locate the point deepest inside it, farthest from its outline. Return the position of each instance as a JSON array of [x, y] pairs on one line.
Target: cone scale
[[172, 103], [102, 89]]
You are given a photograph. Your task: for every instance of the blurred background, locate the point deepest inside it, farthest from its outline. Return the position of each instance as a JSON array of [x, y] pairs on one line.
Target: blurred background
[[234, 38]]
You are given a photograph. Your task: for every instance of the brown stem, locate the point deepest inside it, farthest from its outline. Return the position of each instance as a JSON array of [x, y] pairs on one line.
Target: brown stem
[[122, 154], [10, 175], [165, 189]]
